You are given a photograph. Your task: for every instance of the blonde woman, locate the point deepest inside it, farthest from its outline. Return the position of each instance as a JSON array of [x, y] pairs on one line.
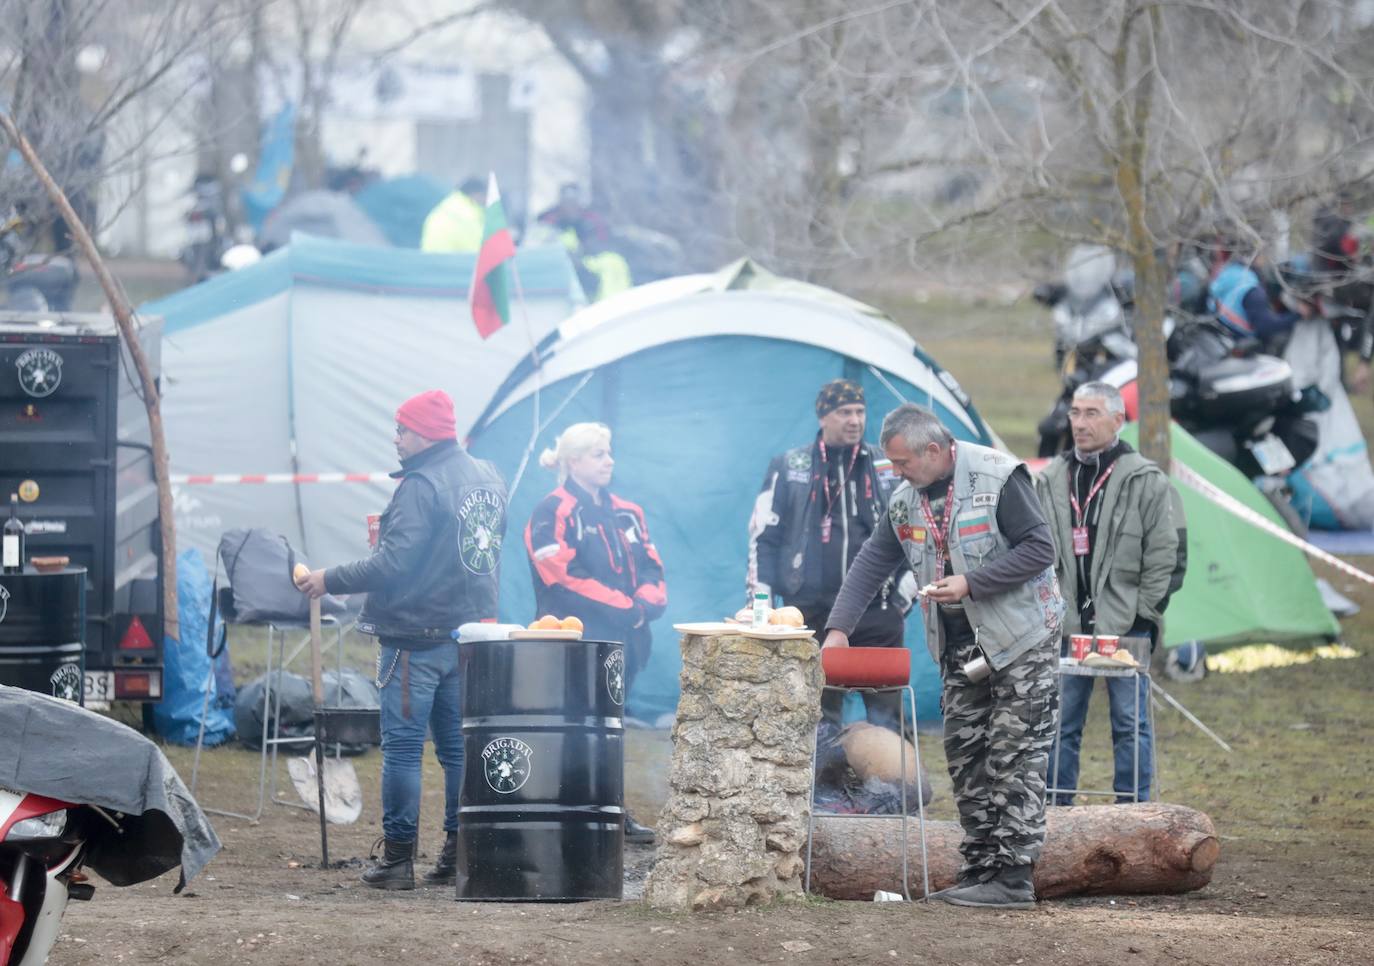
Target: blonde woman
[[591, 556]]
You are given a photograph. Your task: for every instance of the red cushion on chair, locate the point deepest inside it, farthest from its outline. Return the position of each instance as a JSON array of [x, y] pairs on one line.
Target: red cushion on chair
[[866, 667]]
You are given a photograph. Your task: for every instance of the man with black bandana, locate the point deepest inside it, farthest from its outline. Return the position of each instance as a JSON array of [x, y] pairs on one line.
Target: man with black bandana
[[818, 505], [967, 520], [1117, 523]]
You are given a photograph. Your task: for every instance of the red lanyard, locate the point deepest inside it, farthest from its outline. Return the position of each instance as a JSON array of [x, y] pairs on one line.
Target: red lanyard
[[825, 473], [1082, 513], [940, 534]]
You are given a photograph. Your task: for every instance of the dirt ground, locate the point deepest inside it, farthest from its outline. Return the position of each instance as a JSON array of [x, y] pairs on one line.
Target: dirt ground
[[1292, 803]]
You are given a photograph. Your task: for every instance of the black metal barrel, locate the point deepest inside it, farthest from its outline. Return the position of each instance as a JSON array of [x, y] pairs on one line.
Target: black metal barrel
[[541, 816], [43, 631]]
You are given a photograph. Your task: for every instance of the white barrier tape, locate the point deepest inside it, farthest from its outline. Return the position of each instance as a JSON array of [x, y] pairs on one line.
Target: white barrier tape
[[211, 479], [1227, 502]]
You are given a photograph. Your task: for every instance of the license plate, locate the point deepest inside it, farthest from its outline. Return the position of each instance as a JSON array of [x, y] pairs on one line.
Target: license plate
[[99, 686], [1272, 456]]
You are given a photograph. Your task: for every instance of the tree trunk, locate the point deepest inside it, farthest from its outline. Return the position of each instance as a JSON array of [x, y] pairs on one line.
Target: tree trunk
[[1089, 850], [1155, 413], [123, 314]]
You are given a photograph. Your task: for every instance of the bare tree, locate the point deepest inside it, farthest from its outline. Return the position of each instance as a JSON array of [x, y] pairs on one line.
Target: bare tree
[[73, 71], [910, 131]]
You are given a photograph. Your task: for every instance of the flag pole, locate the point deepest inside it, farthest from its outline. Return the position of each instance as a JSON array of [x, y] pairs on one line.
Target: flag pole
[[534, 361]]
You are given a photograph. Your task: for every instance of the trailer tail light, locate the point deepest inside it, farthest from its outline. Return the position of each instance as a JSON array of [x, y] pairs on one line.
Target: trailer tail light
[[137, 685], [136, 637]]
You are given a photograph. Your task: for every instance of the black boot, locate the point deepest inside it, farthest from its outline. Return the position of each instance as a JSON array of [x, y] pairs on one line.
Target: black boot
[[965, 879], [1010, 888], [395, 869], [445, 871], [636, 833]]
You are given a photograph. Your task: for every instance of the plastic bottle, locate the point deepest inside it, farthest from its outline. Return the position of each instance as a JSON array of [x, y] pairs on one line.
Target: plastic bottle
[[761, 609]]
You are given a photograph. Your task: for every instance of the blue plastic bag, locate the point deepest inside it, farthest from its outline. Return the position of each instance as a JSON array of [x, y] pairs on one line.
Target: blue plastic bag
[[187, 668]]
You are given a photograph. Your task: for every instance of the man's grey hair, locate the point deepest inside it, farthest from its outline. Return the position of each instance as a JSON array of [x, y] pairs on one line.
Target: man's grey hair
[[917, 425], [1116, 406]]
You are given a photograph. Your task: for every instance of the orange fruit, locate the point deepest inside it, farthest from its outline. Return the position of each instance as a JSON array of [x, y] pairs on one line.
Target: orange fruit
[[547, 623], [572, 624]]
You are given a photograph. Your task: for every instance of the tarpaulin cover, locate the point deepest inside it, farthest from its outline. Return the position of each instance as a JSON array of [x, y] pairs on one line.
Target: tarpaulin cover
[[55, 748]]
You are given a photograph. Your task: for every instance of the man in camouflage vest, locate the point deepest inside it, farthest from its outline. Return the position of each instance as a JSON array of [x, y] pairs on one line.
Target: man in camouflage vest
[[967, 519]]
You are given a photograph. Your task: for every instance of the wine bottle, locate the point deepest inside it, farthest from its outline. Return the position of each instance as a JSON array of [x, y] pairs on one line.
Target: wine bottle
[[12, 548]]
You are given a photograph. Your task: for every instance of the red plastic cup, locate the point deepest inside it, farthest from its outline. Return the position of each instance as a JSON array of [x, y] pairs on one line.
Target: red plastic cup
[[374, 529], [1107, 644], [1080, 645]]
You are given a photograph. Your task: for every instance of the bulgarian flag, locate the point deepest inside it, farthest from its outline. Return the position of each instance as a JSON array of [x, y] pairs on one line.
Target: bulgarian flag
[[489, 293]]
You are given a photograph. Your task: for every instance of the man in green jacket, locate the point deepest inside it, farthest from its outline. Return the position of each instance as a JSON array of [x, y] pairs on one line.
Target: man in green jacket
[[1117, 550]]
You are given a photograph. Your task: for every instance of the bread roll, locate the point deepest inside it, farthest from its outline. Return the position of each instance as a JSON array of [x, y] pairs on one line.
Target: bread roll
[[787, 617]]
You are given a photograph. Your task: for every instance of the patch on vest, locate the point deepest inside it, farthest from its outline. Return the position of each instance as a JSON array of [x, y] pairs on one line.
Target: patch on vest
[[799, 461], [909, 534], [973, 525], [985, 499], [480, 523], [899, 514]]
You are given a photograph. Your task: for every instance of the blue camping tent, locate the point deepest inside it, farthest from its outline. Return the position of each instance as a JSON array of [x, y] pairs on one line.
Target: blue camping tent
[[702, 379]]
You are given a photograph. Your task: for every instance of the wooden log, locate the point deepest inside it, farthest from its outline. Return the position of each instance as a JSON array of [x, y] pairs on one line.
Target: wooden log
[[1089, 850]]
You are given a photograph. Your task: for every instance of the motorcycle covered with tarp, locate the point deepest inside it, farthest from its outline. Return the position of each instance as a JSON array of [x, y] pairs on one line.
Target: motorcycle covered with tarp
[[81, 791]]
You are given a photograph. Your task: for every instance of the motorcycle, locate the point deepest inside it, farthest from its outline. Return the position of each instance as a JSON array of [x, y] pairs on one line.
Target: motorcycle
[[207, 229], [1090, 309], [33, 283], [42, 847], [82, 791], [41, 283], [1234, 399]]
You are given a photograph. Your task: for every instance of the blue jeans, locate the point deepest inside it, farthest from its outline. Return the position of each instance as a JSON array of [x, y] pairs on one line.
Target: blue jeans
[[1074, 693], [420, 693]]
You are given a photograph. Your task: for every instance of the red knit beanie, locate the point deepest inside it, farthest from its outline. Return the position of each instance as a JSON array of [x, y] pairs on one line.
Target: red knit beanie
[[430, 414]]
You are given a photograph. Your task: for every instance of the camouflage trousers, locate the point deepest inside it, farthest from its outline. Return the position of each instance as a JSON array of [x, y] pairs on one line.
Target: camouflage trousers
[[998, 734]]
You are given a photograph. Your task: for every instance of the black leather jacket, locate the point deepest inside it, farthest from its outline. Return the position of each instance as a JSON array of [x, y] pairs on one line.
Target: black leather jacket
[[437, 562], [785, 546]]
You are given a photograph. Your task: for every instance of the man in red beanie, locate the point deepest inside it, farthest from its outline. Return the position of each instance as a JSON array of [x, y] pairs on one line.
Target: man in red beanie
[[436, 566]]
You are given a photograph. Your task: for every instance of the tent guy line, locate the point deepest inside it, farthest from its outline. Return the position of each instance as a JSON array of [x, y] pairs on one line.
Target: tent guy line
[[1229, 503]]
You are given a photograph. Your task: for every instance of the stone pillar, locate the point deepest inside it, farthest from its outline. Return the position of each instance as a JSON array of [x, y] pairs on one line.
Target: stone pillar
[[733, 830]]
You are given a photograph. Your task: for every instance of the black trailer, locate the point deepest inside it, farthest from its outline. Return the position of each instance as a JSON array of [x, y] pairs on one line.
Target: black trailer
[[74, 444]]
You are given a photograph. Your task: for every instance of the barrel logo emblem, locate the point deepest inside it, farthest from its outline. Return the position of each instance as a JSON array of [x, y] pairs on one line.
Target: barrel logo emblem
[[66, 683], [506, 764], [615, 675], [40, 372]]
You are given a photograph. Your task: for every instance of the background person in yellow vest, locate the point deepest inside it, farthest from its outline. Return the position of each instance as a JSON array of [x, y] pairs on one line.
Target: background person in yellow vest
[[455, 224], [587, 237]]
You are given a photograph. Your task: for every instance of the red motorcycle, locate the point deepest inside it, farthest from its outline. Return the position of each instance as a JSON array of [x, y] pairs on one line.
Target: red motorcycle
[[80, 791], [42, 846]]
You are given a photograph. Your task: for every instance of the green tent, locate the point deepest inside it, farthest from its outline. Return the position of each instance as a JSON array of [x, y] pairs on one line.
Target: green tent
[[1243, 585]]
